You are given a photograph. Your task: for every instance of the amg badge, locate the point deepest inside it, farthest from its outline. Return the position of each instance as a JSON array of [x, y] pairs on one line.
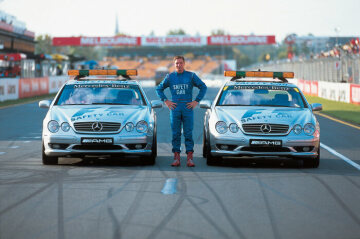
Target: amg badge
[[97, 141], [265, 143]]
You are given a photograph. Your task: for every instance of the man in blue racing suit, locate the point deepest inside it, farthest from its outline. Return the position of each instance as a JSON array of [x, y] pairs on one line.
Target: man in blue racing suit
[[181, 106]]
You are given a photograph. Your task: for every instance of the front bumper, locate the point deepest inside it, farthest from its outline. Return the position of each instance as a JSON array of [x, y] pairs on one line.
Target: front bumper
[[240, 146], [56, 145]]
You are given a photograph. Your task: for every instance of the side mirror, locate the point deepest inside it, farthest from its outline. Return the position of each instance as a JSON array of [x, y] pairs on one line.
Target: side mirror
[[316, 107], [45, 104], [156, 104], [205, 104]]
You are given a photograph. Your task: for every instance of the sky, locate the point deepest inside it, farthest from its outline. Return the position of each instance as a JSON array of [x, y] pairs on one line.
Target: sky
[[65, 18]]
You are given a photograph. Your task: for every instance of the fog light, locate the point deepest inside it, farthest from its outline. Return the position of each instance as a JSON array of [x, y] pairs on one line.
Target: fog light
[[138, 146], [224, 147], [55, 146], [306, 149]]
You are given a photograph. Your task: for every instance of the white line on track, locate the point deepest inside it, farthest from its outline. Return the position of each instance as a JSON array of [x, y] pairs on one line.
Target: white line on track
[[169, 186], [349, 161], [11, 147], [32, 137], [1, 153]]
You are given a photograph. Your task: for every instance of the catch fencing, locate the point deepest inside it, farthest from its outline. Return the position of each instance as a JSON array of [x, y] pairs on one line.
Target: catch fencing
[[345, 69]]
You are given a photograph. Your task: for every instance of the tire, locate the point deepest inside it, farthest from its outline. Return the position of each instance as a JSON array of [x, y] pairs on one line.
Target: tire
[[210, 160], [150, 160], [204, 145], [48, 160], [312, 162]]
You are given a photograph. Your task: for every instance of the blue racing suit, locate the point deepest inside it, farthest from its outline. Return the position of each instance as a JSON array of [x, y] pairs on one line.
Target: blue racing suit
[[181, 86]]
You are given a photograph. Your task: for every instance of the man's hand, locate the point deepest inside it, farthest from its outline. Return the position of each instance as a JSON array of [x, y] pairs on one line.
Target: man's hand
[[171, 105], [192, 104]]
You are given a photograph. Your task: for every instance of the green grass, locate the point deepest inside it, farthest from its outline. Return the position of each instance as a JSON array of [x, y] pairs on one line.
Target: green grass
[[344, 111], [25, 100]]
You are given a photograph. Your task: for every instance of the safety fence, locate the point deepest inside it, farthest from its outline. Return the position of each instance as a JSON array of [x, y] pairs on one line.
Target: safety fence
[[344, 69]]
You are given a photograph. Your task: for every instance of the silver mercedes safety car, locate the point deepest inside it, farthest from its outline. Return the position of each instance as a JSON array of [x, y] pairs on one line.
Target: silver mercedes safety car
[[100, 112], [261, 116]]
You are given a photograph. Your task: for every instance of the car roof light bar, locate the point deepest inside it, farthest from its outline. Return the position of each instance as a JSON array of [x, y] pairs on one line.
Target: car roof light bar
[[262, 74], [116, 72]]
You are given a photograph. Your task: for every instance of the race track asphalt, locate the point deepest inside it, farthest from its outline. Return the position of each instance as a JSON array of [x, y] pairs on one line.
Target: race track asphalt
[[263, 198]]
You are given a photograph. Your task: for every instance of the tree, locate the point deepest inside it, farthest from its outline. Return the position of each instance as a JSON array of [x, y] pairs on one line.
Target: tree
[[242, 60], [44, 45], [176, 32], [264, 57], [218, 32]]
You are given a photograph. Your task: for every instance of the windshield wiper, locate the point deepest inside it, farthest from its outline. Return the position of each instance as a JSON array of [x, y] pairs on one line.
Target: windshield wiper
[[273, 105], [233, 105], [104, 103], [74, 104]]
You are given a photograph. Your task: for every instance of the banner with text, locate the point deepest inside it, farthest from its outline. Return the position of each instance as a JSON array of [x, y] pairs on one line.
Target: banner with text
[[355, 94], [241, 40], [56, 82], [9, 89], [175, 40], [96, 41], [29, 87]]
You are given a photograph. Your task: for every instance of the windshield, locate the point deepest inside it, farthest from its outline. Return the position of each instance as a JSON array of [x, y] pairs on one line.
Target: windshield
[[90, 94], [255, 95]]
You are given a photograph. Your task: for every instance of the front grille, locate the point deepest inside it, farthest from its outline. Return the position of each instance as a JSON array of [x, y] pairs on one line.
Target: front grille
[[274, 128], [265, 149], [97, 147], [97, 126]]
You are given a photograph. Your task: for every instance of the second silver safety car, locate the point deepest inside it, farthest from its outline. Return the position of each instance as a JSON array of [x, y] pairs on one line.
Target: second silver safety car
[[259, 118]]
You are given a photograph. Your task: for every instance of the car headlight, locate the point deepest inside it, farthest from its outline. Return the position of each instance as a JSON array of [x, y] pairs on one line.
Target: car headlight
[[129, 127], [297, 129], [233, 128], [53, 126], [309, 129], [221, 127], [65, 126], [141, 126]]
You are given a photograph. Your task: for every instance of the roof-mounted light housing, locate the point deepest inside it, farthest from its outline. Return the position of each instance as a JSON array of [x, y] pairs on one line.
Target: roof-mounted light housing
[[116, 72], [261, 74]]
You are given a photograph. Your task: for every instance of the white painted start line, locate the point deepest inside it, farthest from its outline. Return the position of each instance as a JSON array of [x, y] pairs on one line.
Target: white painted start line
[[332, 151]]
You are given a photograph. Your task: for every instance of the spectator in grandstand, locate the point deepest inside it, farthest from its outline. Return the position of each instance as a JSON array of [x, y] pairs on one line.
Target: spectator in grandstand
[[181, 83]]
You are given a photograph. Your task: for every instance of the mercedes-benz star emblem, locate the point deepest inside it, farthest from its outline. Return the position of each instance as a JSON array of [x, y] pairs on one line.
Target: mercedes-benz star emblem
[[97, 126], [265, 128]]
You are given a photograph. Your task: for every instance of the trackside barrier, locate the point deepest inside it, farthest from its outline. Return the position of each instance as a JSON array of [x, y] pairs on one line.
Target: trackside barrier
[[56, 82], [343, 92], [16, 88], [29, 87], [9, 89], [355, 94]]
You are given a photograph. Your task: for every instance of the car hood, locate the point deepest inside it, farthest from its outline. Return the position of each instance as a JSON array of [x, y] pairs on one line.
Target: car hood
[[121, 113], [275, 115]]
